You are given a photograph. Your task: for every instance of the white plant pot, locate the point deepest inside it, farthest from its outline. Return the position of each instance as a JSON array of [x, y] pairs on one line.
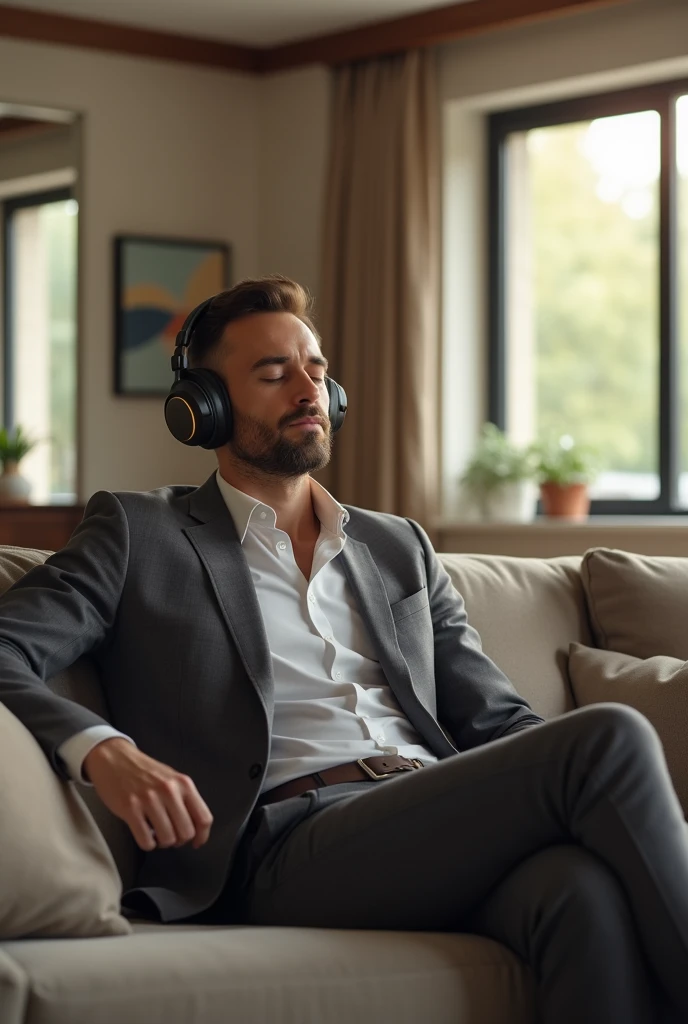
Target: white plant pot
[[15, 489], [512, 503]]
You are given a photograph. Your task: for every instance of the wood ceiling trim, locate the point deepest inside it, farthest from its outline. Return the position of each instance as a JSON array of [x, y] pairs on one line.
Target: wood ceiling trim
[[426, 28], [41, 26], [414, 31]]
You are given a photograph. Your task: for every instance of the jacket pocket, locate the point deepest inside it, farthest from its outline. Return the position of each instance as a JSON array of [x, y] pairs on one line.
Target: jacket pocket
[[409, 605]]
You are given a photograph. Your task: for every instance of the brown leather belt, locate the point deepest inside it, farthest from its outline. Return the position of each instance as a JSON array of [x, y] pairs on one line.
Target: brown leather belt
[[366, 768]]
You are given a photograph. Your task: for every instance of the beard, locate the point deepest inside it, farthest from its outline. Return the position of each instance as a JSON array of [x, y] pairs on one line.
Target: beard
[[267, 449]]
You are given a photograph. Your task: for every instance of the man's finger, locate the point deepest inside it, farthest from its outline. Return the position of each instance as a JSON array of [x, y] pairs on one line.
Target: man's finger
[[201, 817], [156, 813], [182, 822], [140, 829]]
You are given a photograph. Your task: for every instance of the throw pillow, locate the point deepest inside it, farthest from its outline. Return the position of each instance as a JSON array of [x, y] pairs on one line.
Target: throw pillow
[[57, 875], [638, 604], [80, 683], [657, 687]]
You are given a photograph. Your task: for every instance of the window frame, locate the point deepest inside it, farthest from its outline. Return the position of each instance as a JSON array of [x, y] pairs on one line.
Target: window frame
[[658, 96]]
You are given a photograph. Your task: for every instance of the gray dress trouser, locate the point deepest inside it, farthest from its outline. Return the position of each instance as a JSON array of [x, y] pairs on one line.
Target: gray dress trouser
[[565, 842]]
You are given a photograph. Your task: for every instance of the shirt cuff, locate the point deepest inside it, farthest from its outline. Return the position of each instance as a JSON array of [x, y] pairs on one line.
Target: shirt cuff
[[74, 750]]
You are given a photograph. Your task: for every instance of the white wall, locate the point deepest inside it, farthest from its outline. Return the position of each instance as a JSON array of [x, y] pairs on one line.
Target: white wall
[[645, 40], [294, 134], [168, 149]]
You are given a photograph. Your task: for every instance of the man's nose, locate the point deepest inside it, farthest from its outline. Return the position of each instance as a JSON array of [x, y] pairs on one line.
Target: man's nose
[[309, 392]]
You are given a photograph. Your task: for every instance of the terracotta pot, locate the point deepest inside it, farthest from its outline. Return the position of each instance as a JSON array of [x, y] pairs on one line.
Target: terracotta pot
[[14, 488], [569, 501]]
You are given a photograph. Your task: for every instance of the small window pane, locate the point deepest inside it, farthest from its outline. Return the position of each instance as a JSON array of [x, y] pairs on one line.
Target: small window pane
[[682, 159], [582, 293], [43, 344]]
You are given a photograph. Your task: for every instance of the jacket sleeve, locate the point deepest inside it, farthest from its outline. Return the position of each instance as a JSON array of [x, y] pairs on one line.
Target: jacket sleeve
[[476, 702], [56, 612]]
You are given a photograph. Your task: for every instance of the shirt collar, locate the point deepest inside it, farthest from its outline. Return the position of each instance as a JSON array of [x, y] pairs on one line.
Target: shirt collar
[[247, 511]]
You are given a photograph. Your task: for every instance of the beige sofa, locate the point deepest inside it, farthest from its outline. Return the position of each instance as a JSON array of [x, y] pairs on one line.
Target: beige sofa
[[528, 612]]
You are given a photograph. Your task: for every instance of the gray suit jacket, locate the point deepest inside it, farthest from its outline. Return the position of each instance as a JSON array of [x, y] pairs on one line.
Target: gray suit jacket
[[155, 587]]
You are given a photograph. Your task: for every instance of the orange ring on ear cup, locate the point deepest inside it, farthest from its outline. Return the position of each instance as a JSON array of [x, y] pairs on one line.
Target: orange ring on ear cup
[[179, 398]]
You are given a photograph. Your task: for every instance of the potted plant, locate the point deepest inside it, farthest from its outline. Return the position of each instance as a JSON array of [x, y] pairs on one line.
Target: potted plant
[[564, 471], [499, 478], [14, 488]]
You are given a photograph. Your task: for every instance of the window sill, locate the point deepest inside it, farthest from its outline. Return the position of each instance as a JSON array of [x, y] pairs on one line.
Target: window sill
[[547, 538], [553, 523]]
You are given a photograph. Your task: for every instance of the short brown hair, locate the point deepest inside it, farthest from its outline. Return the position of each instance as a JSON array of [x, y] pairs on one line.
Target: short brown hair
[[273, 294]]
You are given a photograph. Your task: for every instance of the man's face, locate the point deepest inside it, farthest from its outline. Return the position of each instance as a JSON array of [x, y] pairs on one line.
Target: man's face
[[275, 373]]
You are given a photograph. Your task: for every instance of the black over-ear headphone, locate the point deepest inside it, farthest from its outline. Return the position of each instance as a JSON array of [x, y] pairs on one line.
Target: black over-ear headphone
[[198, 410]]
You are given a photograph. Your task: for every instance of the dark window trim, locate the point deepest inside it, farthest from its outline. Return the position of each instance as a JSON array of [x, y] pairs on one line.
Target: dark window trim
[[9, 206], [659, 96]]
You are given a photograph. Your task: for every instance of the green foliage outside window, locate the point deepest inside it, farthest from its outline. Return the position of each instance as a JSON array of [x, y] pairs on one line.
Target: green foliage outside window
[[61, 240], [596, 288]]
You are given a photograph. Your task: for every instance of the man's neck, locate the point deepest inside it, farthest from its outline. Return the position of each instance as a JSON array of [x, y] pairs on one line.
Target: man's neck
[[291, 498]]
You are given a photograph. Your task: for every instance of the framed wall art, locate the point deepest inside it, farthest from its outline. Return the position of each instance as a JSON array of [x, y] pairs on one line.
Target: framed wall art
[[158, 281]]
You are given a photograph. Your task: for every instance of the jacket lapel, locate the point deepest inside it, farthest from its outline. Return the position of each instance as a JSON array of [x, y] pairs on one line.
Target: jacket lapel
[[371, 597], [217, 544]]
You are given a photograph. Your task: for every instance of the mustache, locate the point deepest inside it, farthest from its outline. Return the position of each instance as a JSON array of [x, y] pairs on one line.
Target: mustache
[[312, 413]]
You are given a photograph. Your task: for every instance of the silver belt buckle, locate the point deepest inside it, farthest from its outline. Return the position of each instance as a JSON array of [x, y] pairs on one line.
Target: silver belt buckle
[[415, 761]]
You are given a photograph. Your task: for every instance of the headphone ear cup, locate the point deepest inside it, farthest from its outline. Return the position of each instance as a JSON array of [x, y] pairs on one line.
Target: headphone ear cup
[[198, 410], [338, 403]]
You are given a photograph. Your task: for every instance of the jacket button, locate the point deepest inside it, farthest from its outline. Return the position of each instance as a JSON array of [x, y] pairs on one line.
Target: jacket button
[[255, 770]]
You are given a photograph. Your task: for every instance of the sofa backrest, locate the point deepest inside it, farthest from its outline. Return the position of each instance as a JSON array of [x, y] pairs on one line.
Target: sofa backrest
[[527, 612]]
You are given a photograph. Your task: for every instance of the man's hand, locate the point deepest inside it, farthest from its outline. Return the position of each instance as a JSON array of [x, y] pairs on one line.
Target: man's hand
[[161, 806]]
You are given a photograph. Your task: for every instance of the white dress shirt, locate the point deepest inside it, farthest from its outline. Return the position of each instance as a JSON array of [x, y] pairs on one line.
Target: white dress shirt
[[332, 702]]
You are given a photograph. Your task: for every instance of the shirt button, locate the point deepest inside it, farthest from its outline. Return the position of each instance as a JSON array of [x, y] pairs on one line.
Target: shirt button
[[311, 598], [338, 675], [281, 546], [263, 515], [254, 771], [328, 638]]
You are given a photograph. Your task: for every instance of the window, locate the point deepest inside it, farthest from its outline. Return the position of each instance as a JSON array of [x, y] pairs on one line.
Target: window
[[39, 364], [588, 319]]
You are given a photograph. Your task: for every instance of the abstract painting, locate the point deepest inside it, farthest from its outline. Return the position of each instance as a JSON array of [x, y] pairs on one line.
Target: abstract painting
[[158, 281]]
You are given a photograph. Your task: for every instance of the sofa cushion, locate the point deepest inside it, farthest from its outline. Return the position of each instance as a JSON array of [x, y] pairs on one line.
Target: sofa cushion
[[80, 683], [657, 687], [58, 876], [527, 611], [14, 991], [638, 603], [253, 975]]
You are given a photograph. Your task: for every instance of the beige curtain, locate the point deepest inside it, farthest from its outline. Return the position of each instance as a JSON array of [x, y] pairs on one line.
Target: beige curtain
[[380, 287]]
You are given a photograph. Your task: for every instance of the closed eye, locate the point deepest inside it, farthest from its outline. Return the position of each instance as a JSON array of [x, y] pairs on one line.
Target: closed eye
[[276, 380]]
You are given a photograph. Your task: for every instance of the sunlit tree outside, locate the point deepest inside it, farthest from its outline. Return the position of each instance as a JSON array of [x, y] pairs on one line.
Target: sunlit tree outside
[[593, 227], [43, 342], [60, 222], [682, 158]]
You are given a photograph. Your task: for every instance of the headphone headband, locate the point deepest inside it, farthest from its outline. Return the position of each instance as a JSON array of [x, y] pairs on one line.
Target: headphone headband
[[180, 360]]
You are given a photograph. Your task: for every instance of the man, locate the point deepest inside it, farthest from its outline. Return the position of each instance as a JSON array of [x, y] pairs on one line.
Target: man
[[310, 732]]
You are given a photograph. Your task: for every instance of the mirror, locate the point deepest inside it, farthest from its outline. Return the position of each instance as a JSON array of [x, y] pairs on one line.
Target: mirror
[[39, 158]]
